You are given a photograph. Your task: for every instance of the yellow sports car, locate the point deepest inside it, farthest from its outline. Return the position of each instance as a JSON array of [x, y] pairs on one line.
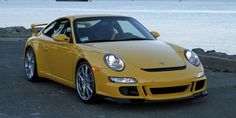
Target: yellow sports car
[[112, 56]]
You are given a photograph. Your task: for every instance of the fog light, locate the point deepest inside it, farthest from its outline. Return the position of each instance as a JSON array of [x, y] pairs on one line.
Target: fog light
[[125, 80], [200, 74]]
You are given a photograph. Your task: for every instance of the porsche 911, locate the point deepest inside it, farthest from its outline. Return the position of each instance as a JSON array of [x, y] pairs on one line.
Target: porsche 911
[[112, 56]]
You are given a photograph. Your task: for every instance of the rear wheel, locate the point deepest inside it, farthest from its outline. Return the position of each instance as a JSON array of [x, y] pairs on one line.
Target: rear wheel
[[85, 83], [30, 65]]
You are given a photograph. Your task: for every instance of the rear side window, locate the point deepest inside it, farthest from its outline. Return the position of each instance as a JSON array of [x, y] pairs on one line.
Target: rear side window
[[58, 27], [49, 29], [61, 28]]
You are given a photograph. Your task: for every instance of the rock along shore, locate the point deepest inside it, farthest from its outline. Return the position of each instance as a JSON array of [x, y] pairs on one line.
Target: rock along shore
[[16, 31], [216, 61]]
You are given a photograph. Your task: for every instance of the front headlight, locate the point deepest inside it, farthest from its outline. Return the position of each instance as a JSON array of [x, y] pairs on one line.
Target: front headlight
[[192, 57], [114, 62]]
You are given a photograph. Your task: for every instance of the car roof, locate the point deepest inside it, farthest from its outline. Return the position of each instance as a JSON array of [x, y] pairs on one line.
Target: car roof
[[92, 15]]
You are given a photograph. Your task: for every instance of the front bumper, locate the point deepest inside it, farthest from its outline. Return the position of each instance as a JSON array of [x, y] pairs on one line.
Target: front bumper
[[158, 86], [158, 90]]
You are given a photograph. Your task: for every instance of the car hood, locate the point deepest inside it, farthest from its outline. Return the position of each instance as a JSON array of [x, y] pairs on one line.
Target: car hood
[[143, 54]]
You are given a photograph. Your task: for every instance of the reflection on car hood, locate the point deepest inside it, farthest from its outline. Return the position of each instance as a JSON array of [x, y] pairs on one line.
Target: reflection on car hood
[[143, 54]]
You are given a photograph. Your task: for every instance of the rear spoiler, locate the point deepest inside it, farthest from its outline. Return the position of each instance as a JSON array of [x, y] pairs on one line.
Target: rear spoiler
[[34, 28]]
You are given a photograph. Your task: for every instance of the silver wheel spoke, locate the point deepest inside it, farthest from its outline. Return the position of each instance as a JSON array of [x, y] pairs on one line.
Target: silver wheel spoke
[[84, 89], [79, 87], [90, 78], [83, 72], [31, 57], [28, 56], [87, 91], [90, 90], [80, 77], [86, 71]]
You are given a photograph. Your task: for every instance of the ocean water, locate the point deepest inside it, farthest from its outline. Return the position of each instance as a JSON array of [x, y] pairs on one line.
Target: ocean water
[[208, 24]]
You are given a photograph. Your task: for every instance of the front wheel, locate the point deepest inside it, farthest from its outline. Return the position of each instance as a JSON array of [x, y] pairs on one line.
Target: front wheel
[[30, 65], [85, 84]]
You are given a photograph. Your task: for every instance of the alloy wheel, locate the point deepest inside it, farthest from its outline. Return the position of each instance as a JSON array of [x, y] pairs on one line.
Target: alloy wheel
[[29, 64], [85, 82]]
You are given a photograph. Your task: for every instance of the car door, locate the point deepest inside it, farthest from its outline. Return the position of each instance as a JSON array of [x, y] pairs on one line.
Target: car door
[[61, 55], [44, 43]]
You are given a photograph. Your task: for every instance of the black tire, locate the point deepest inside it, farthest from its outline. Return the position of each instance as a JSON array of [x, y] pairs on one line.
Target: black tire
[[34, 77], [94, 98]]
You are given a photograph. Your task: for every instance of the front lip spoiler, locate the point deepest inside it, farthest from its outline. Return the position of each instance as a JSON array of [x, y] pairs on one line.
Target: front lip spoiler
[[194, 96], [201, 94]]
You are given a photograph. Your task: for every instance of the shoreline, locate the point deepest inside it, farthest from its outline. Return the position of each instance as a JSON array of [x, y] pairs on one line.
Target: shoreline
[[212, 60]]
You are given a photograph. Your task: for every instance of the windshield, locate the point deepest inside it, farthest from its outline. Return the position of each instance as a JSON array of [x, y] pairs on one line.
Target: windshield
[[107, 29]]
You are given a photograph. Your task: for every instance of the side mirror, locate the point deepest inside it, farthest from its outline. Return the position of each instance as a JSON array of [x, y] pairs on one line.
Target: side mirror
[[155, 34], [61, 38]]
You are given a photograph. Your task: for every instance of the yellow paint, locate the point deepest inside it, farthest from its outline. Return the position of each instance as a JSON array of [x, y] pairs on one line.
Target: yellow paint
[[58, 61], [61, 38], [155, 34]]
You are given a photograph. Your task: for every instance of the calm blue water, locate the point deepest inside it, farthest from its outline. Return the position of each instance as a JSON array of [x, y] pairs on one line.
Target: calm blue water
[[209, 24]]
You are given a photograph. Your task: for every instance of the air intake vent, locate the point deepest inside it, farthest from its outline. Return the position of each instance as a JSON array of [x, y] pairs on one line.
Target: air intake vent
[[168, 90], [164, 69], [200, 85]]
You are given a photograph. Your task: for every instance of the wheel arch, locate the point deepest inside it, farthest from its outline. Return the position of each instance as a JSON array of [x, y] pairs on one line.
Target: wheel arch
[[80, 61], [29, 47], [30, 44], [77, 64]]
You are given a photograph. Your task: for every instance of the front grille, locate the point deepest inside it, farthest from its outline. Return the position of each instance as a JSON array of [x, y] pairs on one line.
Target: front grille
[[199, 85], [168, 90], [164, 69]]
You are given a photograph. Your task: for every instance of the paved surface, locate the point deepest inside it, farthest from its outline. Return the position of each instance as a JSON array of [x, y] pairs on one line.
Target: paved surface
[[22, 99]]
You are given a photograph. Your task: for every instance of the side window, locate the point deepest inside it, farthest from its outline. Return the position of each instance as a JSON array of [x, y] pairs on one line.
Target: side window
[[129, 28], [62, 27], [49, 30], [58, 27]]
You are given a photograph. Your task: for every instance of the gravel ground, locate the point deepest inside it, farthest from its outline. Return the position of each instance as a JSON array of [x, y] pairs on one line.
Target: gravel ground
[[22, 99]]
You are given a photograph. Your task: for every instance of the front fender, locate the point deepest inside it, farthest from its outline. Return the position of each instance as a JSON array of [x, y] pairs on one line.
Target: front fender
[[180, 52]]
